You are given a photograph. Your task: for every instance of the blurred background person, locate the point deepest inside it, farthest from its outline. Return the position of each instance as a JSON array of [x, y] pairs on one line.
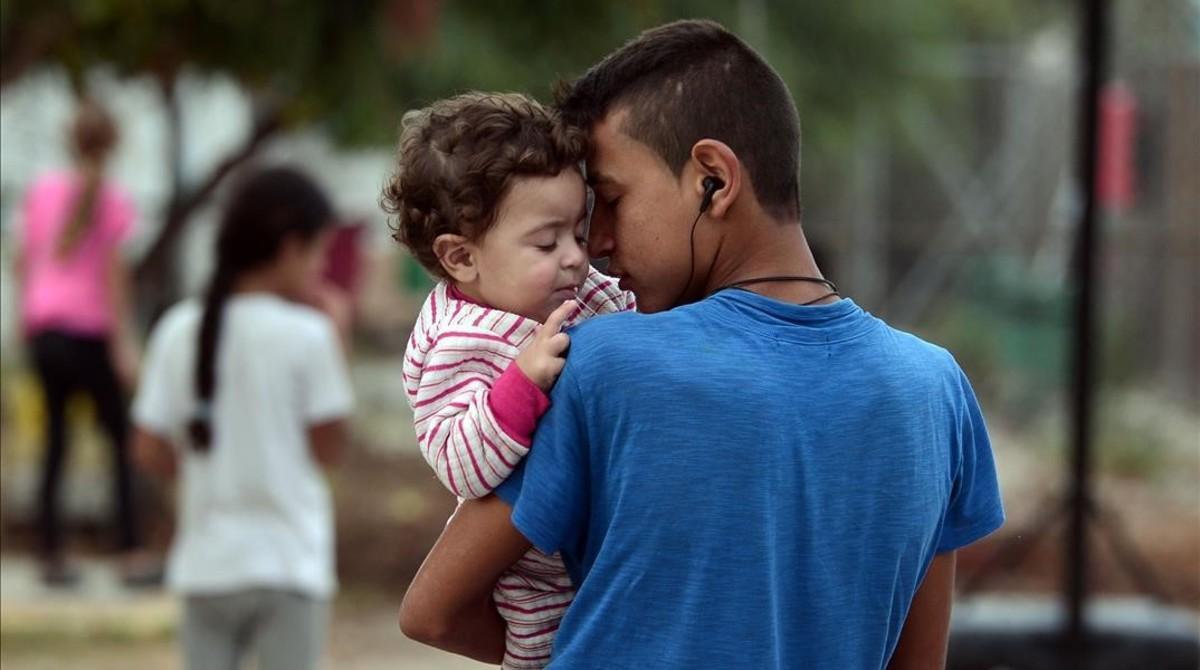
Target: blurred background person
[[75, 310], [248, 391]]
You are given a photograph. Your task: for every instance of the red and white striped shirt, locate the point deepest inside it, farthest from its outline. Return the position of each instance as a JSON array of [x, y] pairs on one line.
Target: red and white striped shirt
[[475, 413], [473, 408]]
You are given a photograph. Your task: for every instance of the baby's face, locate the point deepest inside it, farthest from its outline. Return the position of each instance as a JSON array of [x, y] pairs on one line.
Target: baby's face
[[535, 256]]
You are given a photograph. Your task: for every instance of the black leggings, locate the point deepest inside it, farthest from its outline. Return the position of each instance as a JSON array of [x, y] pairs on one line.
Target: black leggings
[[67, 363]]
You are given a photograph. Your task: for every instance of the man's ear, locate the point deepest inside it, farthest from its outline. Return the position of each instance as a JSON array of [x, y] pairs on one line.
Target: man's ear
[[457, 257], [713, 158]]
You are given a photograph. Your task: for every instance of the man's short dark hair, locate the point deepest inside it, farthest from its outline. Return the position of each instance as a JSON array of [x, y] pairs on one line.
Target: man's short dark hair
[[690, 80]]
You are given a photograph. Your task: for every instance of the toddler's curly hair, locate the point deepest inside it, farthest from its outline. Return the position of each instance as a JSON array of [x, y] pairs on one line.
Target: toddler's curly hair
[[458, 157]]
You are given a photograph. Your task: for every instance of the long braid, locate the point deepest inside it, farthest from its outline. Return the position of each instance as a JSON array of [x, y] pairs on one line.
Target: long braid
[[200, 427]]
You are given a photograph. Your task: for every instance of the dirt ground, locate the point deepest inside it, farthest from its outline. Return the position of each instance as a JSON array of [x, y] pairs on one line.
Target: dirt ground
[[363, 636], [1144, 537]]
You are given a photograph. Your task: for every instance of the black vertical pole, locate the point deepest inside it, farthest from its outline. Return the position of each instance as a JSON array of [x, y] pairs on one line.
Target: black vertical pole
[[1093, 27]]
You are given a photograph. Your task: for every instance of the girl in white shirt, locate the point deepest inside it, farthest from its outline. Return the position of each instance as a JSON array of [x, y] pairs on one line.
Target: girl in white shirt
[[246, 396]]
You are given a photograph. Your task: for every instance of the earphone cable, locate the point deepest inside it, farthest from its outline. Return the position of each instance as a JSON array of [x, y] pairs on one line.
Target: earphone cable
[[691, 258]]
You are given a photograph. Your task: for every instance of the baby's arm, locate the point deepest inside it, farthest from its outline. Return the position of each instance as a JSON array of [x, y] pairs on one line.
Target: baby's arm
[[478, 402], [474, 413], [601, 295]]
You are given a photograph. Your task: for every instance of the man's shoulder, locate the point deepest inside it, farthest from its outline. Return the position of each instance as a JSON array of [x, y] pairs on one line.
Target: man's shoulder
[[615, 349], [917, 347], [620, 332], [922, 359]]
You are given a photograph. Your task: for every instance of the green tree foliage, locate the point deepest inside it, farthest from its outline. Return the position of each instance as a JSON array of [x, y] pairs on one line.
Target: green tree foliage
[[303, 57], [354, 66], [835, 56]]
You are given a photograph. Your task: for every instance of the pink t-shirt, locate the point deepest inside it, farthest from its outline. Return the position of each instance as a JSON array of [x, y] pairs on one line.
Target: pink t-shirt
[[71, 293]]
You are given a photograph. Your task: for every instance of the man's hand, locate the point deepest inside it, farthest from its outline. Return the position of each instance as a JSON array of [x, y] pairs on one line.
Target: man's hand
[[544, 358]]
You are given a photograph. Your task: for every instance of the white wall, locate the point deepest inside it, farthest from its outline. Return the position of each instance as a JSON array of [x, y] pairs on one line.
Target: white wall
[[35, 111]]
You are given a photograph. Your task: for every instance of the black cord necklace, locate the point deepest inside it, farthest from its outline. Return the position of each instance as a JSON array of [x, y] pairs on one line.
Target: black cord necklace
[[833, 289]]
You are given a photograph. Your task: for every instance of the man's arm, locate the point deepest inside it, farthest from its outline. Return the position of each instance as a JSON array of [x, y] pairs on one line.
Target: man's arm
[[449, 603], [974, 510], [926, 632]]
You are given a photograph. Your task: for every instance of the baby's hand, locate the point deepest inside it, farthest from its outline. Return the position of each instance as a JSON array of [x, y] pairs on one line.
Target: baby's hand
[[545, 356]]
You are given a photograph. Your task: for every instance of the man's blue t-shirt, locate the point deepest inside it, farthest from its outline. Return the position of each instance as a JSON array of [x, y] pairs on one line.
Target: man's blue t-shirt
[[744, 483]]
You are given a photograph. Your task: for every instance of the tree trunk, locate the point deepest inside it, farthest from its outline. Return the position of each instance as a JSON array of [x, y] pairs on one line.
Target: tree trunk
[[156, 284], [156, 276]]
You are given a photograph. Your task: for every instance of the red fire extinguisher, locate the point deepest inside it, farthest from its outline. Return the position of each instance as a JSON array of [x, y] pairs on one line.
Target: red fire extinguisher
[[1116, 172]]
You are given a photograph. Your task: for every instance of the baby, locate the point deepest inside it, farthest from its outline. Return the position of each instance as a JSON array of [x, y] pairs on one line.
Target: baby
[[489, 197]]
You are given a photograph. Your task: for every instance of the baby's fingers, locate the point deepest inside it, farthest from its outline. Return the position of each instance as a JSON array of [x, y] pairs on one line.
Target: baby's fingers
[[557, 344], [557, 318], [555, 367]]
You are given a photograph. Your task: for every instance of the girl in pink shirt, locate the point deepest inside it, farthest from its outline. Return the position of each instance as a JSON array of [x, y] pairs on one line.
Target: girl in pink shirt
[[490, 198], [74, 312]]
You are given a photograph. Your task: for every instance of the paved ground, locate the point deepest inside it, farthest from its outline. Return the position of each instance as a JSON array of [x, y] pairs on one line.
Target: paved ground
[[99, 625]]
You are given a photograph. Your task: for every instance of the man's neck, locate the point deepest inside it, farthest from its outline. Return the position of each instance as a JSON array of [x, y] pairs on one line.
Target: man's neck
[[768, 249]]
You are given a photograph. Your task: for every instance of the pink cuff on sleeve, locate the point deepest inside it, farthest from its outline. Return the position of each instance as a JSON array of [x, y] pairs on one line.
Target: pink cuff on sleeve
[[517, 403]]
